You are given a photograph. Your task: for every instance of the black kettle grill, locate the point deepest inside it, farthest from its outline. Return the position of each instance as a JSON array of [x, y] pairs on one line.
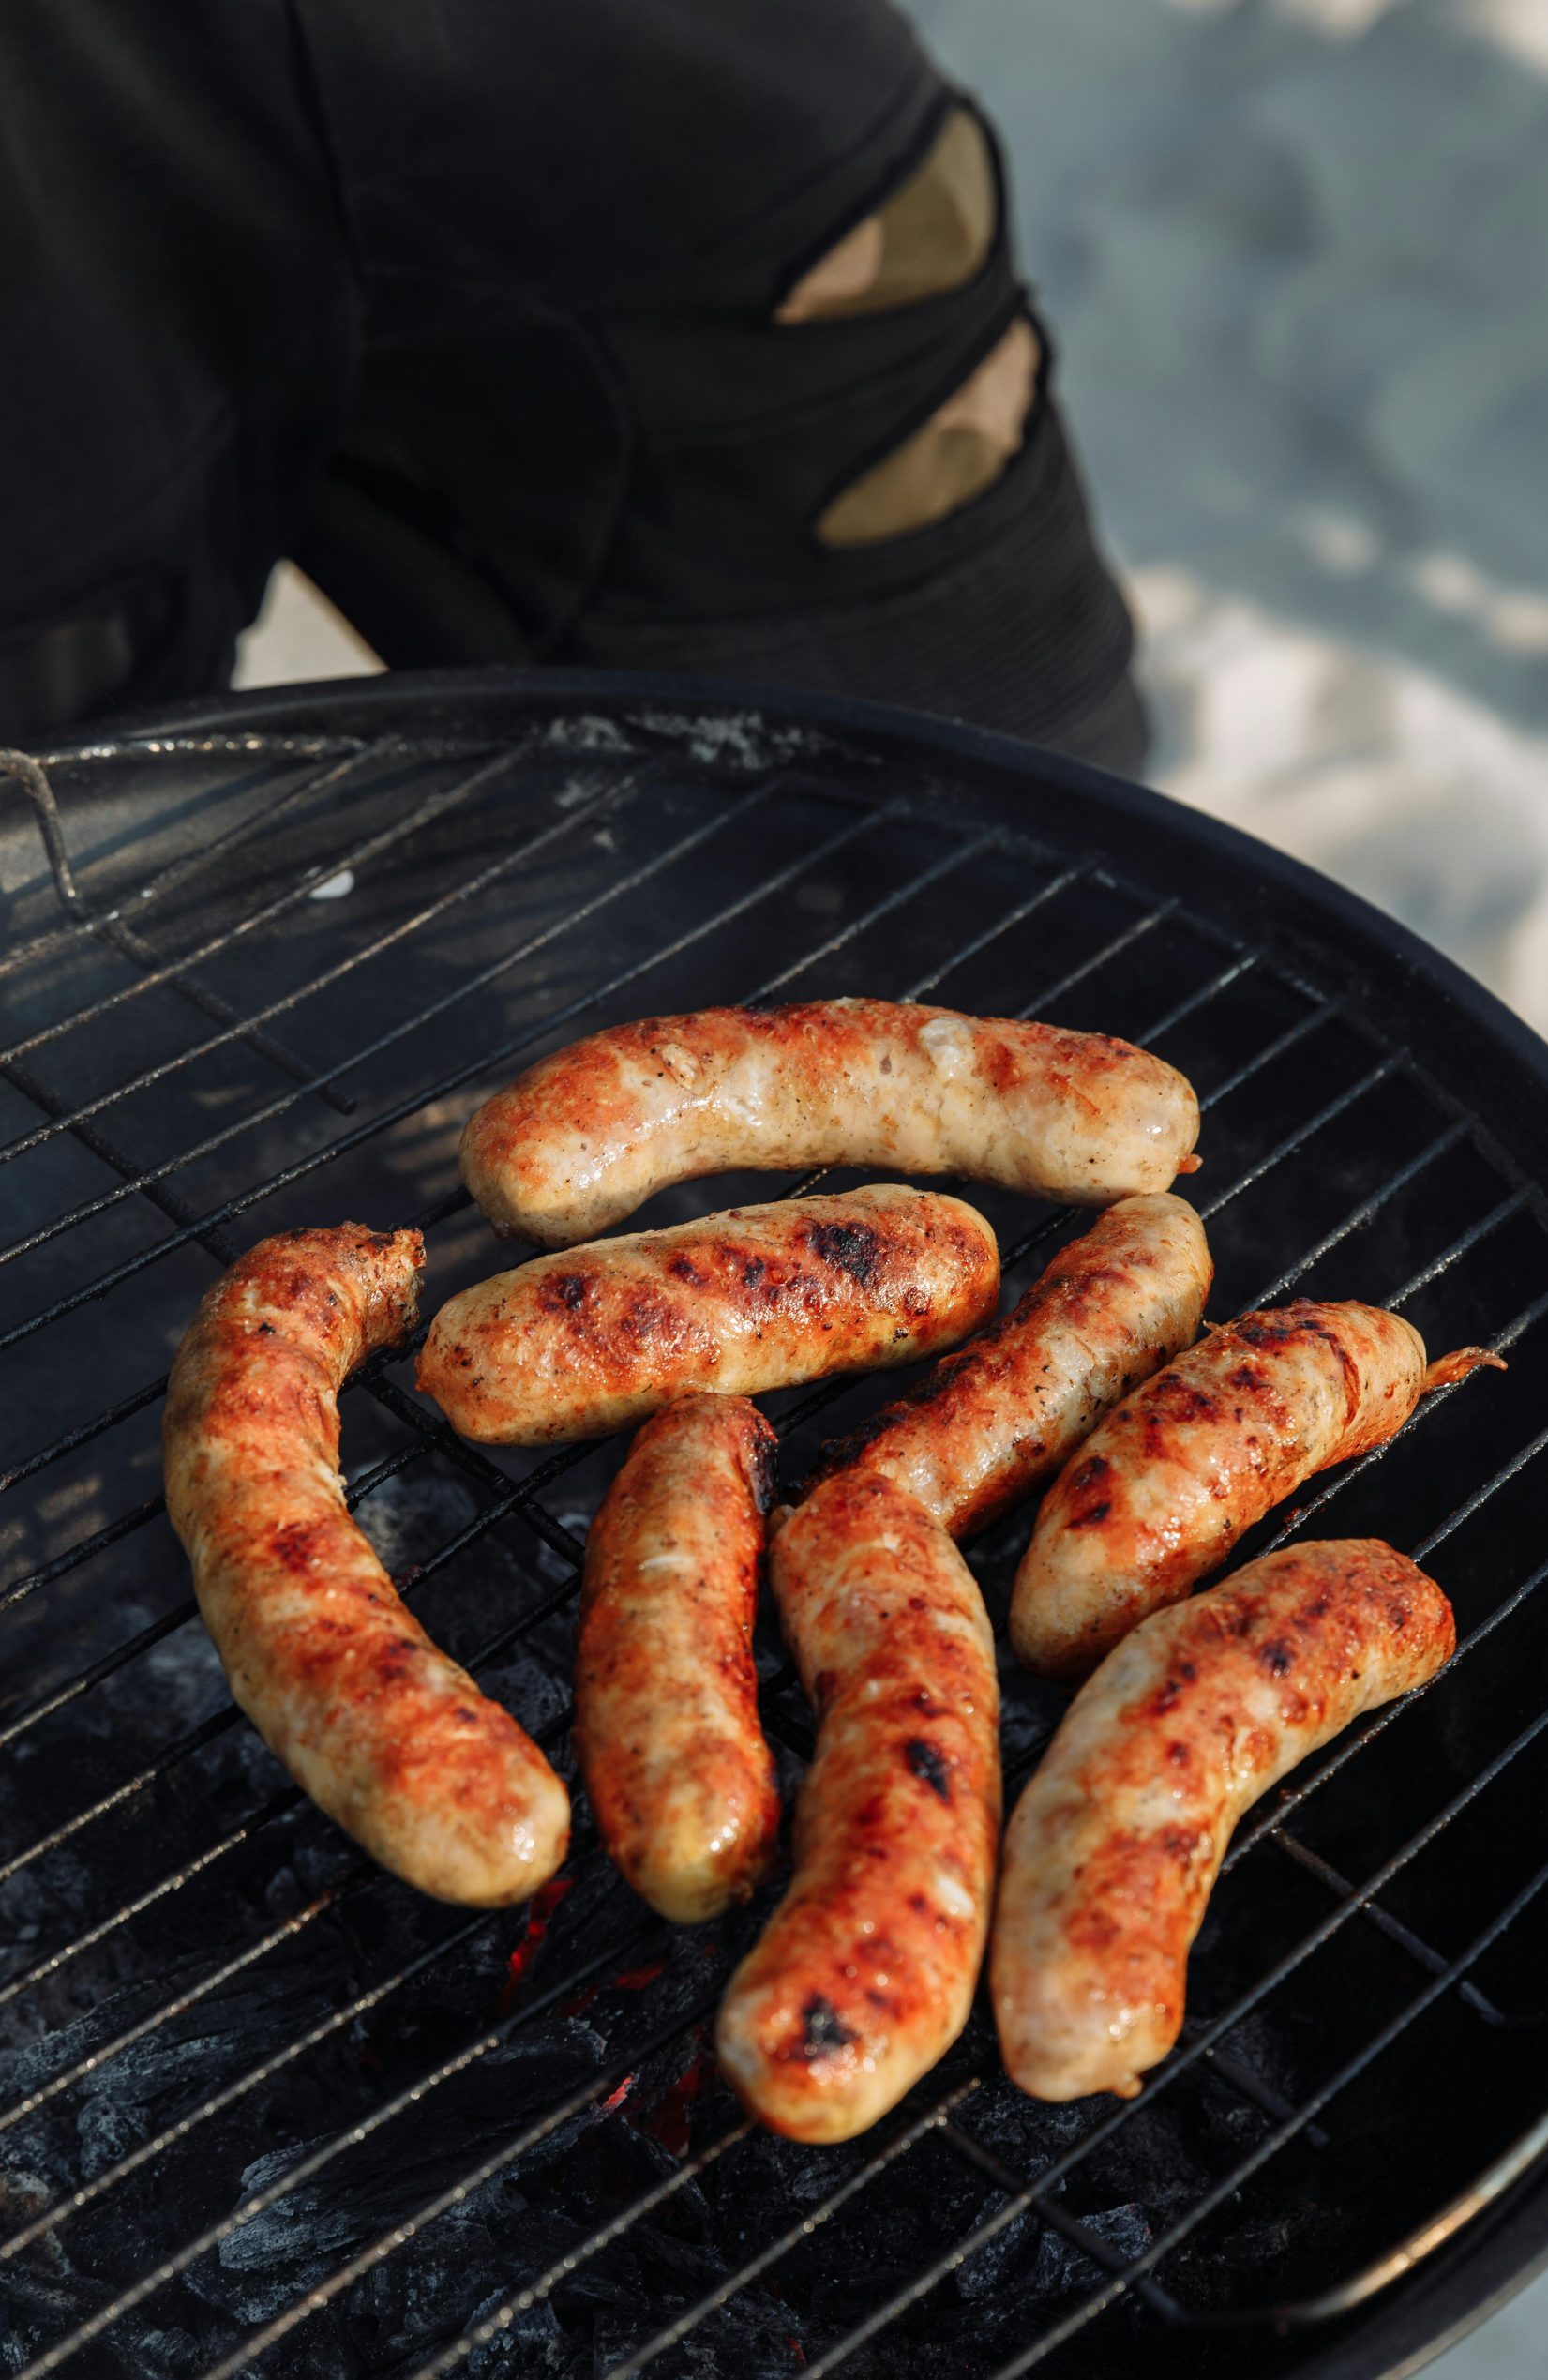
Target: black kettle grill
[[265, 2109]]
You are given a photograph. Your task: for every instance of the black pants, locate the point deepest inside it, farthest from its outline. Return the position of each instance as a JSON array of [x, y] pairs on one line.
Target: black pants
[[505, 273]]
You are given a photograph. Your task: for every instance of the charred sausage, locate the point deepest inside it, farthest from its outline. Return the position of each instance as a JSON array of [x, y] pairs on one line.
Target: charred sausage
[[386, 1734], [574, 1345], [586, 1135], [1113, 1849], [1000, 1414], [865, 1974], [681, 1781], [1163, 1488]]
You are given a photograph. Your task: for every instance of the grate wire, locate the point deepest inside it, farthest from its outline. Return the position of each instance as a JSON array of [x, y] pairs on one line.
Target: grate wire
[[521, 1499]]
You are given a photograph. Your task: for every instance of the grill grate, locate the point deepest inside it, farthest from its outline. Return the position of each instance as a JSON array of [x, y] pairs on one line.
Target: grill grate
[[257, 2088]]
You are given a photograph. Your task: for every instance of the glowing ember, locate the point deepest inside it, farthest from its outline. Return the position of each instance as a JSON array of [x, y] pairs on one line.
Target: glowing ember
[[668, 2121], [540, 1908], [636, 1978]]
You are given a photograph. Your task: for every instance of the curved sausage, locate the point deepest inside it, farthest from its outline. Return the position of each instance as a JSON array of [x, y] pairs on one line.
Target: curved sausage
[[574, 1345], [386, 1734], [1005, 1411], [865, 1974], [586, 1135], [1163, 1488], [667, 1730], [1113, 1849]]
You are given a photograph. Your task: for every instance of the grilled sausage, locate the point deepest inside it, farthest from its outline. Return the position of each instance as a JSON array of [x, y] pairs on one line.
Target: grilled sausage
[[586, 1135], [865, 1974], [1163, 1488], [1113, 1849], [1005, 1411], [388, 1735], [574, 1345], [666, 1694]]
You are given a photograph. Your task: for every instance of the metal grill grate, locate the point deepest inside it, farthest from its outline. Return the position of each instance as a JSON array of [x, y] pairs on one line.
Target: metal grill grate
[[258, 2089]]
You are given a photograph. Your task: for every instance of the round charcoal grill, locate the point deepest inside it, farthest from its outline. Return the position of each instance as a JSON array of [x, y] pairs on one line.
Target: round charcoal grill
[[265, 2108]]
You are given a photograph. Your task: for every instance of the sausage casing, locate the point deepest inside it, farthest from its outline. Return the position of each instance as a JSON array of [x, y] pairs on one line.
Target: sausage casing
[[1163, 1488], [865, 1974], [1113, 1849], [573, 1344], [1004, 1411], [667, 1730], [587, 1134], [386, 1734]]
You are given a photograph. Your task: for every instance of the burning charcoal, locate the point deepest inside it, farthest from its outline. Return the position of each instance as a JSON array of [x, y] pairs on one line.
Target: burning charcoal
[[1064, 2266], [410, 1516], [528, 2340], [1027, 2133], [758, 2336], [1004, 2259]]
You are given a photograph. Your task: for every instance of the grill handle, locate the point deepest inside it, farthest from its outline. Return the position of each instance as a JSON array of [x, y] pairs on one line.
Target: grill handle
[[1403, 2257]]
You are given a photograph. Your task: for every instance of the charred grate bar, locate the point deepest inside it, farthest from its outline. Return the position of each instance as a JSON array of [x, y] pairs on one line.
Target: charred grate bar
[[214, 2008]]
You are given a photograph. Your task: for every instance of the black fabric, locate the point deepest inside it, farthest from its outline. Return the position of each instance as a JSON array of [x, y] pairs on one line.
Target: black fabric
[[181, 318], [1003, 620], [510, 270]]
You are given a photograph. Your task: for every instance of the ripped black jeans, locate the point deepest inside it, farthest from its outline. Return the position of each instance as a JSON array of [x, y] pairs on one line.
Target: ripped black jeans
[[519, 278]]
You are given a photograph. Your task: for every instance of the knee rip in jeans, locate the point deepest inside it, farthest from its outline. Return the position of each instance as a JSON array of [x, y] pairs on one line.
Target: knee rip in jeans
[[932, 235], [964, 446]]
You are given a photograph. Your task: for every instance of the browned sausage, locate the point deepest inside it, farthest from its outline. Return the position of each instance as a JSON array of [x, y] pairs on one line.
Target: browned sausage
[[864, 1975], [980, 1431], [1163, 1488], [386, 1734], [1113, 1850], [571, 1345], [667, 1730], [586, 1135]]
